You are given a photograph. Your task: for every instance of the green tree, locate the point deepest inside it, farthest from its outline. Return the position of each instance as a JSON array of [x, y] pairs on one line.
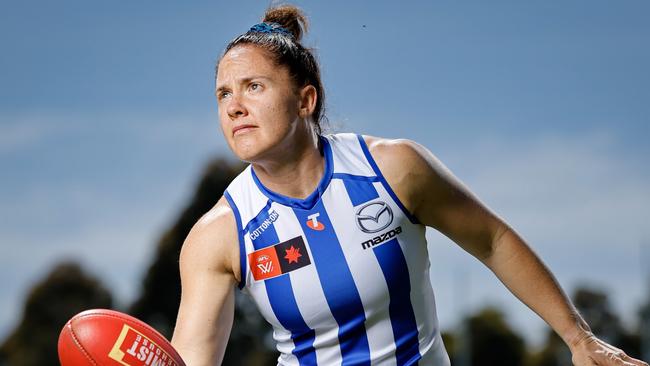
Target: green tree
[[66, 291], [554, 352], [492, 342], [595, 308]]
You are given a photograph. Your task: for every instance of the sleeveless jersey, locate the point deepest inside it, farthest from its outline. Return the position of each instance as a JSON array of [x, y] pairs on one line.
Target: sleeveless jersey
[[342, 275]]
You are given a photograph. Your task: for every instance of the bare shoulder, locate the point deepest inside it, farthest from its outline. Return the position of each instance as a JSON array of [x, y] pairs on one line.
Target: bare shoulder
[[434, 195], [409, 168], [213, 242], [399, 155]]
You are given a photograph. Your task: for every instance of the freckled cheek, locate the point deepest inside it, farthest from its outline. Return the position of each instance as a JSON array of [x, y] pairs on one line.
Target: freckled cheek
[[279, 114]]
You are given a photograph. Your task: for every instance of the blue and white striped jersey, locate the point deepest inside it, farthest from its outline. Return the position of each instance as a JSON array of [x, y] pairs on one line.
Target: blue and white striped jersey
[[342, 275]]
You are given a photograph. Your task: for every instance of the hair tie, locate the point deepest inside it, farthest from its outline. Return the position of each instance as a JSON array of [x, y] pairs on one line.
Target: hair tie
[[270, 28]]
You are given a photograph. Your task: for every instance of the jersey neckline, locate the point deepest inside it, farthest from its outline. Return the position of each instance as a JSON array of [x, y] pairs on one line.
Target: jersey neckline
[[310, 201]]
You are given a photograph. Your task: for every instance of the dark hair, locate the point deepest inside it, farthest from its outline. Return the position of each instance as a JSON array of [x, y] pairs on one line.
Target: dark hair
[[286, 50]]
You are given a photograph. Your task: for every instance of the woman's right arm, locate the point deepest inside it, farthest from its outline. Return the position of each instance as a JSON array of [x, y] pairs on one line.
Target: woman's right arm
[[209, 266]]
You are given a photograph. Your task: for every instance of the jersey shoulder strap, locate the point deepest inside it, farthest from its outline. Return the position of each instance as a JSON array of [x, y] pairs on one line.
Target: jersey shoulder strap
[[246, 202], [350, 155]]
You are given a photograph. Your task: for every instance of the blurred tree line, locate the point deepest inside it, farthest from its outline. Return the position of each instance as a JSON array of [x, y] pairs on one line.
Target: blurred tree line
[[483, 338]]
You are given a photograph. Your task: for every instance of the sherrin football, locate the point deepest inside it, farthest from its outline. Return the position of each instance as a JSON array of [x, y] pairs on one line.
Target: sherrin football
[[102, 337]]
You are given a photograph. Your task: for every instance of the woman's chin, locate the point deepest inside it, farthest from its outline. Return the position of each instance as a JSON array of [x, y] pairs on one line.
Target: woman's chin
[[248, 153], [253, 147]]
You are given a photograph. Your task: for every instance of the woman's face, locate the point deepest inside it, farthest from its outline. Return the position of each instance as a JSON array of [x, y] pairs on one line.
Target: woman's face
[[258, 103]]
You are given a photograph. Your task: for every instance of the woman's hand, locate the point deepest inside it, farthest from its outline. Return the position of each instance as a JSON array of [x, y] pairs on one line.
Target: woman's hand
[[590, 351]]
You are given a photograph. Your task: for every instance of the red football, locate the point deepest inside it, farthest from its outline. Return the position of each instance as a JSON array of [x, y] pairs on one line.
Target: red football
[[102, 337]]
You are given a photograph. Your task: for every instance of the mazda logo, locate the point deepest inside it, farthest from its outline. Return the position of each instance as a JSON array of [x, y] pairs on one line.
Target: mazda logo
[[374, 216]]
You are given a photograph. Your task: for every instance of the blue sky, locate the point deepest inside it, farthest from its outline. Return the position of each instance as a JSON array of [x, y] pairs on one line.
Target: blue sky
[[107, 117]]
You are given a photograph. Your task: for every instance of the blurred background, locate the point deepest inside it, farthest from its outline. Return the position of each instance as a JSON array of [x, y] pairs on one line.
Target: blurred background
[[110, 150]]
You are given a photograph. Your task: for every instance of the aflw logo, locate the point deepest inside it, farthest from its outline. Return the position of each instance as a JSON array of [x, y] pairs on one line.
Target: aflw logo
[[265, 264], [265, 267]]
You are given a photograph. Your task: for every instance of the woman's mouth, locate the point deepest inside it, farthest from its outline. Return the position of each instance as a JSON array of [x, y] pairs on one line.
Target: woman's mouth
[[238, 130]]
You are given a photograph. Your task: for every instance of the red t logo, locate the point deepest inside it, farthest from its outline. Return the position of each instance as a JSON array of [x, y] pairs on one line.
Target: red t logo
[[313, 222]]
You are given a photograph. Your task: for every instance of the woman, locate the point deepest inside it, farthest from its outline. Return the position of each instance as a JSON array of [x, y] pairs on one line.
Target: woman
[[326, 233]]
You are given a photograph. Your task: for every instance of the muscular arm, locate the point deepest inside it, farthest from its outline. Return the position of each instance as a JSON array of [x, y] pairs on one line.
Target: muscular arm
[[208, 264], [438, 199]]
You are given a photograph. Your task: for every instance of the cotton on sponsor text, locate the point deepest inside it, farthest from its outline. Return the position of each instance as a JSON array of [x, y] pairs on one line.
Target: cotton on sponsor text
[[273, 216]]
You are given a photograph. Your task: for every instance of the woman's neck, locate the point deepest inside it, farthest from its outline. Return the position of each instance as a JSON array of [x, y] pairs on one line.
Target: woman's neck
[[296, 172]]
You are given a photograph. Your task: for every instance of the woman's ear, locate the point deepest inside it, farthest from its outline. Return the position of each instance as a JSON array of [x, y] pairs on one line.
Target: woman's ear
[[308, 97]]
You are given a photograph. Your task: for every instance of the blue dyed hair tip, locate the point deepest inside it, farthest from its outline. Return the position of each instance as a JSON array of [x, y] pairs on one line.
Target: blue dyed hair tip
[[270, 28]]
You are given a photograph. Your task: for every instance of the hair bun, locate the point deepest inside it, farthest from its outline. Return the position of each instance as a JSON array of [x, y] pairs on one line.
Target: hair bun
[[289, 17]]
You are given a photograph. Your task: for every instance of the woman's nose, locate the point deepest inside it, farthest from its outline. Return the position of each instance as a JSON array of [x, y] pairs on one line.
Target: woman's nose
[[236, 108]]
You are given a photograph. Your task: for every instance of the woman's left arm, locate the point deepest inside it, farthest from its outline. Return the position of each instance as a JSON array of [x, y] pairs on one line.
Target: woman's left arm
[[438, 199]]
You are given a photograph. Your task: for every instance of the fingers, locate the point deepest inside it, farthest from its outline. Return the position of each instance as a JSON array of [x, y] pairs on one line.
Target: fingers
[[599, 353], [619, 357], [608, 357], [631, 360], [634, 361]]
